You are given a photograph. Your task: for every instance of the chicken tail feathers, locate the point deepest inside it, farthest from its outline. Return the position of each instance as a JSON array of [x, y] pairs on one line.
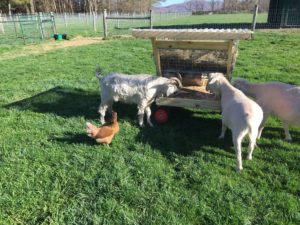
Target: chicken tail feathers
[[89, 129]]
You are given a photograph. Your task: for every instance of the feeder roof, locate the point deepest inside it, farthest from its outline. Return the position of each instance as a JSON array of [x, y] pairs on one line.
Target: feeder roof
[[193, 34]]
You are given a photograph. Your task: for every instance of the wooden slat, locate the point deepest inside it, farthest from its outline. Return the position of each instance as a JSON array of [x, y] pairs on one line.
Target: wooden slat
[[210, 45], [156, 57], [193, 34], [229, 60], [128, 18], [189, 103]]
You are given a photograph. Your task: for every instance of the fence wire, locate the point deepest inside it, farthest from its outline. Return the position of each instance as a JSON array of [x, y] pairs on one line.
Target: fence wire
[[86, 24], [19, 28]]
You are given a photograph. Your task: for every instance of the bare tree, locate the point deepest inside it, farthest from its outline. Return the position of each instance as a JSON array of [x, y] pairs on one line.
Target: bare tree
[[212, 5], [60, 6], [195, 5]]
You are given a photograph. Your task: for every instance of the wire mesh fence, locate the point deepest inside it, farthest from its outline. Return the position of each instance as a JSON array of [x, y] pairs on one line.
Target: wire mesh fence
[[19, 28], [16, 28], [83, 24]]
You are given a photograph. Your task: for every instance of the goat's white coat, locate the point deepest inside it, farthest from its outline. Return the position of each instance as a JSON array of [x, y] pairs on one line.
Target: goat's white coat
[[139, 89], [239, 113], [279, 99]]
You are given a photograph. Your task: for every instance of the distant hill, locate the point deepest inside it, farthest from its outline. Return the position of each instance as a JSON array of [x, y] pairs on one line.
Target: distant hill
[[172, 8], [187, 7]]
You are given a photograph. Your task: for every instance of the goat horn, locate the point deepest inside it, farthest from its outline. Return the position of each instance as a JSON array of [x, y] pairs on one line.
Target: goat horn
[[177, 81], [179, 76]]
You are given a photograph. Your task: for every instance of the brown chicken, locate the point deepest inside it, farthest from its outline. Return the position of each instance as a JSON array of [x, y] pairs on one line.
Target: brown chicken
[[105, 133]]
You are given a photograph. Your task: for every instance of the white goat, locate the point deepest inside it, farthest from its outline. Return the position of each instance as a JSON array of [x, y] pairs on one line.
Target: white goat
[[239, 113], [279, 99], [139, 89]]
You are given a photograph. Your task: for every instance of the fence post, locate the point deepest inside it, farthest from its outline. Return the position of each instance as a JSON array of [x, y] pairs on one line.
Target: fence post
[[255, 11], [118, 21], [22, 30], [53, 23], [104, 24], [65, 19], [16, 18], [94, 21], [151, 18], [40, 22], [86, 17], [1, 25], [9, 9]]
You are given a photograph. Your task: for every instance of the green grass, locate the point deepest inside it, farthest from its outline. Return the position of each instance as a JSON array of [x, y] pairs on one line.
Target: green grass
[[215, 18], [177, 173]]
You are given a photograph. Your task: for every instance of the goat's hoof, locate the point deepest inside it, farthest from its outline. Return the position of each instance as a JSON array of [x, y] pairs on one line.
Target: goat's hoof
[[221, 137], [249, 157], [288, 139]]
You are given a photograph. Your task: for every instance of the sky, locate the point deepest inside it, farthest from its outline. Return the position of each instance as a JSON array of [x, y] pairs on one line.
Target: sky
[[171, 2]]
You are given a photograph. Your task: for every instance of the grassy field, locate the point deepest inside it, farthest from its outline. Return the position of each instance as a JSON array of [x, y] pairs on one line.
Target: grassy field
[[217, 18], [177, 173]]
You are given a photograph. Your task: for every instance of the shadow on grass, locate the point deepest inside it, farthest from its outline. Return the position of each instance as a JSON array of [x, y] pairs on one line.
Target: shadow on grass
[[71, 138], [186, 131], [65, 102], [69, 102], [277, 133]]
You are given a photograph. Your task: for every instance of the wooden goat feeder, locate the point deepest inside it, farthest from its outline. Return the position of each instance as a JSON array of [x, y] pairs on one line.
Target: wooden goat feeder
[[194, 53]]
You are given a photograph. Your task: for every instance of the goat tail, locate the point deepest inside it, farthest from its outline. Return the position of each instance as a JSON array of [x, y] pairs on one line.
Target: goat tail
[[98, 72]]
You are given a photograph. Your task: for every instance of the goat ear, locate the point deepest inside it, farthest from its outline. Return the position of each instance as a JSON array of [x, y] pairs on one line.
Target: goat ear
[[240, 83], [214, 75], [213, 80]]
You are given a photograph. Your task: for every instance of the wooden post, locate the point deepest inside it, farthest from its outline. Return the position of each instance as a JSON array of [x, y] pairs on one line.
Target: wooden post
[[94, 21], [40, 22], [53, 23], [86, 17], [9, 9], [156, 57], [151, 19], [1, 25], [118, 21], [65, 19], [15, 27], [229, 60], [22, 31], [255, 11], [104, 24]]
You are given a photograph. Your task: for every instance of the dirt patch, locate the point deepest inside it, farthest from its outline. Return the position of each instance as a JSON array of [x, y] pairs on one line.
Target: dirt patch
[[50, 46], [70, 43]]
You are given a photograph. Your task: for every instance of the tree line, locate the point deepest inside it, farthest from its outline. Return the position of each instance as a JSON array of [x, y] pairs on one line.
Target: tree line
[[122, 6], [75, 6]]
